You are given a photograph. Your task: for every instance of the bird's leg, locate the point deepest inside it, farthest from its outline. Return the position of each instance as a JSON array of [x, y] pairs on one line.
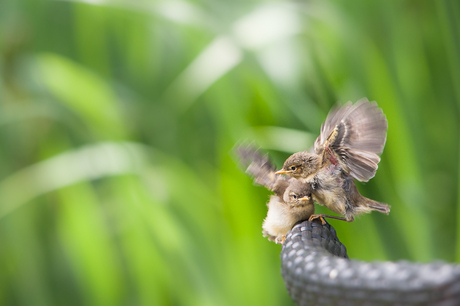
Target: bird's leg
[[280, 239], [322, 216]]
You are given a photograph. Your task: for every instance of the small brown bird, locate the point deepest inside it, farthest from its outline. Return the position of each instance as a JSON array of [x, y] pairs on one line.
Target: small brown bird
[[285, 210], [346, 149], [292, 201]]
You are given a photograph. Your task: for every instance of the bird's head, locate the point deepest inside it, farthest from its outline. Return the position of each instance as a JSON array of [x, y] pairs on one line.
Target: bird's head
[[298, 193], [300, 165]]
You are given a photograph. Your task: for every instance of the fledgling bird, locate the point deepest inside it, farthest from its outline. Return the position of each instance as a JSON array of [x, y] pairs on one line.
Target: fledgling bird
[[291, 202], [347, 148], [284, 211]]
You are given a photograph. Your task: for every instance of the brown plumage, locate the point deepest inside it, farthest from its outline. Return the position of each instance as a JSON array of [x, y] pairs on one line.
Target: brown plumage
[[356, 133], [291, 202], [284, 212], [348, 146]]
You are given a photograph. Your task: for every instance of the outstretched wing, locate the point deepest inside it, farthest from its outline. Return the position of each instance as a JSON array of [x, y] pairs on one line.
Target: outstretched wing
[[261, 169], [356, 133]]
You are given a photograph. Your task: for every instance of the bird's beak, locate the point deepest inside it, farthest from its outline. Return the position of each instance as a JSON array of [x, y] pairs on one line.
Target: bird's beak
[[306, 198], [281, 172]]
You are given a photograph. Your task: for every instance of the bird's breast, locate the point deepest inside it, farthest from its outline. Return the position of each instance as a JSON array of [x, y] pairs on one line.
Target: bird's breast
[[327, 190]]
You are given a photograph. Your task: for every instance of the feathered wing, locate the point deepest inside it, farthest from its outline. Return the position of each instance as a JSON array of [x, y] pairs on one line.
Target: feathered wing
[[261, 169], [357, 134]]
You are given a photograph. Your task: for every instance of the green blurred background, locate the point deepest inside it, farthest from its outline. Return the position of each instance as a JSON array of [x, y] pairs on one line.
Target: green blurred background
[[118, 118]]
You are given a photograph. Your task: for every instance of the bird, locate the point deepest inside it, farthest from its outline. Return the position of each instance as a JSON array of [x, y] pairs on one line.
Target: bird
[[348, 148], [291, 202], [284, 211]]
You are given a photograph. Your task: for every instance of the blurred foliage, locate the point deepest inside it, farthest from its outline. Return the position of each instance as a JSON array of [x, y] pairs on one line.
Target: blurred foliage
[[118, 118]]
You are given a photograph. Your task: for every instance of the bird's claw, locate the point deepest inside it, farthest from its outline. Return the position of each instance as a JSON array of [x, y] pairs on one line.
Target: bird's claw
[[321, 217]]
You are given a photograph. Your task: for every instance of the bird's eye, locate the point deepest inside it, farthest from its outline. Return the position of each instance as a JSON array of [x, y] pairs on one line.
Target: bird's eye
[[293, 168], [294, 196]]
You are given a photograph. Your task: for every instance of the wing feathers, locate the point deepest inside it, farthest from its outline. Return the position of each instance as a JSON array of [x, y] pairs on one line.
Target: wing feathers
[[261, 169], [360, 136]]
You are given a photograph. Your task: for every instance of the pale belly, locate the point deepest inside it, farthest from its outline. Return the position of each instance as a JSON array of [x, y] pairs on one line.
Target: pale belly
[[281, 218], [330, 199], [328, 191]]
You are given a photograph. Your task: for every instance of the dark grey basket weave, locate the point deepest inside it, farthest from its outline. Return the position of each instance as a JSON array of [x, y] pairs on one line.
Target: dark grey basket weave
[[316, 270]]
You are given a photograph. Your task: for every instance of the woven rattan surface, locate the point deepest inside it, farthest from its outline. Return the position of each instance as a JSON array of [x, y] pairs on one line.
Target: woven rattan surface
[[317, 271]]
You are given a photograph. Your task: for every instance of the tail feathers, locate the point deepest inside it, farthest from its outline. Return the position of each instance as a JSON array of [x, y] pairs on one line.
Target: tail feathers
[[380, 207]]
